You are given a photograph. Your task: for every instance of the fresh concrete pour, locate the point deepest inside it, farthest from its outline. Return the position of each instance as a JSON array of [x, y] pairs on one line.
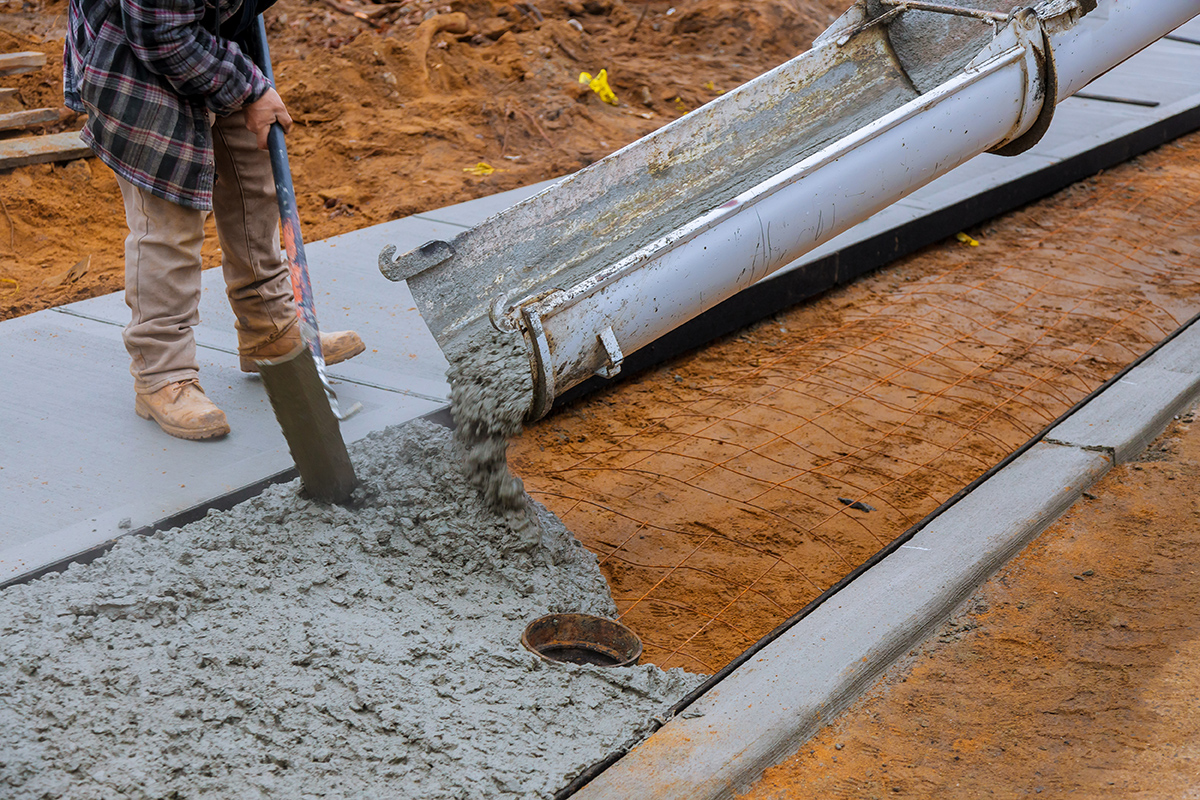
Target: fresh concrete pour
[[490, 391], [288, 649]]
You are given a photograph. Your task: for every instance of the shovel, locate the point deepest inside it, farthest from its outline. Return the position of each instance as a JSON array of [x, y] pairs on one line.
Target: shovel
[[304, 402]]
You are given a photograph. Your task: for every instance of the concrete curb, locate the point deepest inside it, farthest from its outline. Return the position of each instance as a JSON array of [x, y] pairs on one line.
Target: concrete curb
[[766, 708], [1131, 413]]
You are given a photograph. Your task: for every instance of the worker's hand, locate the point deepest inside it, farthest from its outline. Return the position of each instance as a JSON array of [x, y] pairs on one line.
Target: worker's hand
[[263, 112]]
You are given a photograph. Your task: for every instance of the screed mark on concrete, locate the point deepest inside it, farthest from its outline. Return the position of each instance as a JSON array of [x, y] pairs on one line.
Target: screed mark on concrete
[[286, 649]]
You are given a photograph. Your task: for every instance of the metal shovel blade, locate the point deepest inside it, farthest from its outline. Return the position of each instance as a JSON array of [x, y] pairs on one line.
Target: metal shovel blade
[[309, 426]]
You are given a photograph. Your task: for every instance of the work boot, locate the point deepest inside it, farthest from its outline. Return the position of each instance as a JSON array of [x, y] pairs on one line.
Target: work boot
[[181, 409], [336, 346]]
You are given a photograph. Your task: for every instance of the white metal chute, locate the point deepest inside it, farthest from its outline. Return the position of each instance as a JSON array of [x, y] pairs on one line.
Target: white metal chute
[[895, 94], [657, 184]]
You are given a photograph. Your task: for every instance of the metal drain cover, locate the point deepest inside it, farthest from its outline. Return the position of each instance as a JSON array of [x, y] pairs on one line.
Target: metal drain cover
[[582, 639]]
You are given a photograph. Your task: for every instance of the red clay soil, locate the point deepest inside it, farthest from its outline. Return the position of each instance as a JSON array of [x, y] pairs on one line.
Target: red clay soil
[[1072, 673], [715, 489], [396, 114]]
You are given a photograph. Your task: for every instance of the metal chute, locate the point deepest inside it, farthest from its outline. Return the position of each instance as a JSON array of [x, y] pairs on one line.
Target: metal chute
[[895, 94]]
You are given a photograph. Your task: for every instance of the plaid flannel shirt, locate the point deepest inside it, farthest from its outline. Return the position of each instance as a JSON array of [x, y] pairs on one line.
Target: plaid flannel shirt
[[148, 73]]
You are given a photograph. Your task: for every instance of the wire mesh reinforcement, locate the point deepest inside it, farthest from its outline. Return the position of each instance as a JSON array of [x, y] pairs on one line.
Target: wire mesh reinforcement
[[725, 490]]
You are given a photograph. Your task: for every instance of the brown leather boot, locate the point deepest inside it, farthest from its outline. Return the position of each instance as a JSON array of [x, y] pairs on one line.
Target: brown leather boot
[[336, 346], [181, 409]]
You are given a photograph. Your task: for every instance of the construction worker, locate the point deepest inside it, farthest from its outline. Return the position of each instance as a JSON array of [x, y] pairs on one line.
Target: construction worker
[[180, 112]]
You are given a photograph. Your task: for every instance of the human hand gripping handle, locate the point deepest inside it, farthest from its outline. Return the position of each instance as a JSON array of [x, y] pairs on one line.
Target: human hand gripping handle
[[264, 112], [270, 133]]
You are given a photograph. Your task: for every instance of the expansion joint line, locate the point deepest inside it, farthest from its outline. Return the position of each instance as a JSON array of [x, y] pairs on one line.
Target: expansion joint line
[[340, 378], [1105, 450]]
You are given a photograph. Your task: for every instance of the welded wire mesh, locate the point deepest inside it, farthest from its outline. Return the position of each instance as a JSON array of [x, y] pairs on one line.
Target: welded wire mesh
[[724, 491]]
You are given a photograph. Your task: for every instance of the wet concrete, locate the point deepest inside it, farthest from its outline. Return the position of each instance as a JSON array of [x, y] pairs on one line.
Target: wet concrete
[[288, 649], [491, 389]]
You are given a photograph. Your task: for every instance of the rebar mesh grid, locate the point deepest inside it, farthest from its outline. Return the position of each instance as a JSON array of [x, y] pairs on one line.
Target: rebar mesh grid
[[725, 490]]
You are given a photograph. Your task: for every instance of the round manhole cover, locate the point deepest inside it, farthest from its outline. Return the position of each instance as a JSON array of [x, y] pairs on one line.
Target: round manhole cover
[[582, 639]]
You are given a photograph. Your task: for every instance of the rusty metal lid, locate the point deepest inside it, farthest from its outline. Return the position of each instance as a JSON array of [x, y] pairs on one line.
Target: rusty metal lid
[[582, 639]]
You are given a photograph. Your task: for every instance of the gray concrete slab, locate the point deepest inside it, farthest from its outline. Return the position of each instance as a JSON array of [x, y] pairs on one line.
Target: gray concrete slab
[[1097, 122], [981, 174], [760, 713], [473, 212], [1167, 73], [1190, 28], [1133, 412], [358, 251], [74, 476], [768, 706], [76, 461], [798, 683], [90, 452], [349, 292], [1082, 119]]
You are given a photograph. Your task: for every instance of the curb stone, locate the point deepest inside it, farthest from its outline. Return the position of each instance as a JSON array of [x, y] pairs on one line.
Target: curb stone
[[1130, 414]]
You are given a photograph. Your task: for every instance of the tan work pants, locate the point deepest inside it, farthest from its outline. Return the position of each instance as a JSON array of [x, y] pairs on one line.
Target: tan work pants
[[162, 262]]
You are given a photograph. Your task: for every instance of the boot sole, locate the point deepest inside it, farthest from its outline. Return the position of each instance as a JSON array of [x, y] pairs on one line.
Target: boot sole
[[250, 364], [191, 434]]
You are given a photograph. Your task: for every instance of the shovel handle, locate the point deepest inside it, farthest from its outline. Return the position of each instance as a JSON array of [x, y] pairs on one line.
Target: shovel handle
[[289, 217]]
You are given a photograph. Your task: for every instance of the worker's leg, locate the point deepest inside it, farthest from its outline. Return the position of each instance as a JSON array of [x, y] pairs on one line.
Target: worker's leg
[[162, 287], [162, 290], [256, 276]]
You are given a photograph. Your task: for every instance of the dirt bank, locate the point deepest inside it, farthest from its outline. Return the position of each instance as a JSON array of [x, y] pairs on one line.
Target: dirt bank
[[1072, 673], [284, 649], [397, 116]]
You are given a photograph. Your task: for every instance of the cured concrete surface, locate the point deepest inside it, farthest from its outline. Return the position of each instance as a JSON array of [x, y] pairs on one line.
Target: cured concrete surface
[[78, 468], [1135, 410], [77, 474], [288, 649], [754, 717]]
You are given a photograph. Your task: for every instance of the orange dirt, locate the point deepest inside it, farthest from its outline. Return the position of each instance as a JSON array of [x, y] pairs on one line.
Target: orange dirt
[[392, 117], [1072, 673], [712, 487]]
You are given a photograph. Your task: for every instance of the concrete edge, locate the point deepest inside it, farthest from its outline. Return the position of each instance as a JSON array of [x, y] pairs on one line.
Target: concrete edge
[[77, 546], [766, 708], [22, 564], [1132, 412], [81, 544]]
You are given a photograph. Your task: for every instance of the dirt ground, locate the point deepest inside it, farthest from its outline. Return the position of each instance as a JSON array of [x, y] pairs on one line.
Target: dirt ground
[[716, 489], [397, 113], [1072, 673]]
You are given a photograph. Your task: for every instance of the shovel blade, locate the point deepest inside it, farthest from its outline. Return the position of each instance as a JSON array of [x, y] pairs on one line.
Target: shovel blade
[[309, 426]]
